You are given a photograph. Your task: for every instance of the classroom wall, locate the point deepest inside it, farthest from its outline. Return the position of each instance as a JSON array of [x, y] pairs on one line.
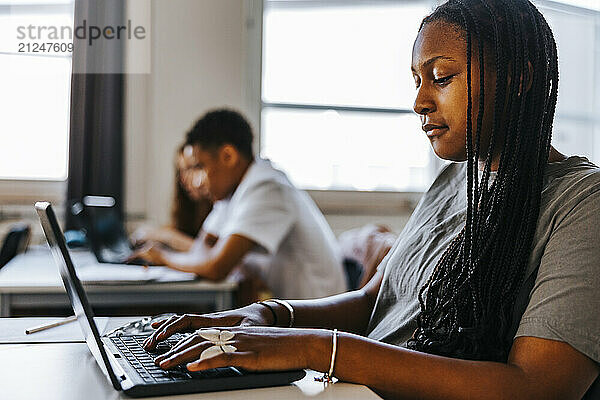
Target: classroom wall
[[161, 106]]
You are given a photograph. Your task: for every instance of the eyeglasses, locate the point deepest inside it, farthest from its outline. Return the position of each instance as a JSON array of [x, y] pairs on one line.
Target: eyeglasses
[[193, 176]]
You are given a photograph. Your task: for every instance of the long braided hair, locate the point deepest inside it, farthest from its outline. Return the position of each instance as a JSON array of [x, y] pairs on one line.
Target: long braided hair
[[467, 303]]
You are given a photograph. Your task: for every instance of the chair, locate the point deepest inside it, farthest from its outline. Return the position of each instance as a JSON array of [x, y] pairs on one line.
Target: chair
[[15, 242], [363, 249]]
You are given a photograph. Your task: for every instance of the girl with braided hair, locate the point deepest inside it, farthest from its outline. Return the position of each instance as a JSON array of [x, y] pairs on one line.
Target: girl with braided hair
[[190, 206], [492, 289]]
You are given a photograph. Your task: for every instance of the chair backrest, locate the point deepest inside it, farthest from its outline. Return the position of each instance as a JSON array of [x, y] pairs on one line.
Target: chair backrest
[[15, 241], [363, 249]]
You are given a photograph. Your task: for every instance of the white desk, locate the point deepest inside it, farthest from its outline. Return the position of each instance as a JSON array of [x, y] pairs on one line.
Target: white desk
[[12, 330], [67, 371], [32, 278]]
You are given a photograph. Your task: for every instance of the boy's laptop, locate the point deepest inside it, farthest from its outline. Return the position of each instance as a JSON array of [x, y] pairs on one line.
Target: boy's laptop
[[122, 358], [105, 231]]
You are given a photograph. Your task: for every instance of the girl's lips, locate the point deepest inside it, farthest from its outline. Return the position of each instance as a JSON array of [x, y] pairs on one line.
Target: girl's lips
[[437, 131]]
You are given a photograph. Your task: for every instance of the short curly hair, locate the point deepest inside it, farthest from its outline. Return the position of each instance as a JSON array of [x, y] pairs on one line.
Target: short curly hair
[[219, 127]]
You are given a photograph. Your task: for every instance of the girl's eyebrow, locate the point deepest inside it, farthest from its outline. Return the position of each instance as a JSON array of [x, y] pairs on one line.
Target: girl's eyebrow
[[433, 59]]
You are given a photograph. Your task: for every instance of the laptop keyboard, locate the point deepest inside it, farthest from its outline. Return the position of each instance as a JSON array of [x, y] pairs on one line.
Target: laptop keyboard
[[143, 361]]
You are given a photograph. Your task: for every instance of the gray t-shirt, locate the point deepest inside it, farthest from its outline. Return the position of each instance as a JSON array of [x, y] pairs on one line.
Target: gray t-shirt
[[560, 299]]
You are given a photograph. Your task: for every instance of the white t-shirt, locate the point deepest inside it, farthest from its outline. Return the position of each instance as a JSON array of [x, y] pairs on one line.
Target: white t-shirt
[[297, 252]]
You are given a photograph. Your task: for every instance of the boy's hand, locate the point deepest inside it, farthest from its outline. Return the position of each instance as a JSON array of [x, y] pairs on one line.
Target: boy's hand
[[150, 252]]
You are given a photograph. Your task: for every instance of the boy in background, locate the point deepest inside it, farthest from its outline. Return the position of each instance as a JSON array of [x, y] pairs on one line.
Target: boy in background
[[259, 218]]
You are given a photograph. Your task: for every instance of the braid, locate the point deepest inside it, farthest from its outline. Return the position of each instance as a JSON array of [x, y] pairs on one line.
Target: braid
[[467, 303]]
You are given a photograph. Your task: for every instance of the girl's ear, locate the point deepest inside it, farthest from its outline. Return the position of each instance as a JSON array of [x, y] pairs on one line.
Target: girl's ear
[[529, 79]]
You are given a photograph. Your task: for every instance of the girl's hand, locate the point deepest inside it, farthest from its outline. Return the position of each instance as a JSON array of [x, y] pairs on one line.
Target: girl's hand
[[258, 349], [251, 315]]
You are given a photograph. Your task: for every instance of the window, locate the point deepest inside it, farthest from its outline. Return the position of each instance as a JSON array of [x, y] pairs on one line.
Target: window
[[577, 34], [337, 93], [589, 4], [34, 106]]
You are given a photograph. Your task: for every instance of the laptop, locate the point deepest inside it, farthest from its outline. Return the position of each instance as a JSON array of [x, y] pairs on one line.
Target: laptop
[[107, 236], [124, 361]]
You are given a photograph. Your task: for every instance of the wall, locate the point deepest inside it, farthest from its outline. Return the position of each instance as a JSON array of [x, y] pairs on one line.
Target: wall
[[196, 64]]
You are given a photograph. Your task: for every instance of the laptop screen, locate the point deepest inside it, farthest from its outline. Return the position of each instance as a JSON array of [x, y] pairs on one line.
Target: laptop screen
[[105, 229], [74, 288]]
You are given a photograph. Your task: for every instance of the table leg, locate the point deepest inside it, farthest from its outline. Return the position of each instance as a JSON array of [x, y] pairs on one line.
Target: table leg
[[227, 300], [4, 305], [223, 301]]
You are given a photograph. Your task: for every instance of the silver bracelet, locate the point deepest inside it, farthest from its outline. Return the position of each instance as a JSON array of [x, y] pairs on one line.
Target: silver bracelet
[[289, 308], [328, 376]]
